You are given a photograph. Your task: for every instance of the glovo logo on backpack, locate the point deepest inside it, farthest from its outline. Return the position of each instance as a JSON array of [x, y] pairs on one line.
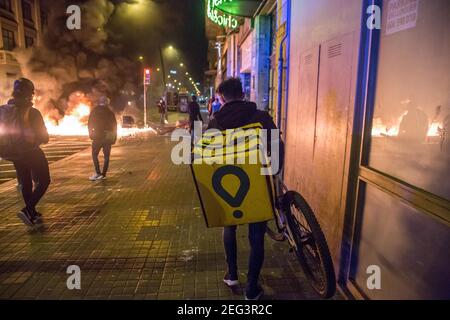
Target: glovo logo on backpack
[[227, 173]]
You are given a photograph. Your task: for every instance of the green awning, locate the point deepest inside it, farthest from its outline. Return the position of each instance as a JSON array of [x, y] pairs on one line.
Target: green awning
[[240, 8]]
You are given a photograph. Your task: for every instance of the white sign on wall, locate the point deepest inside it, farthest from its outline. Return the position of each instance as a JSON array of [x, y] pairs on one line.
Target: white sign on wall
[[401, 15]]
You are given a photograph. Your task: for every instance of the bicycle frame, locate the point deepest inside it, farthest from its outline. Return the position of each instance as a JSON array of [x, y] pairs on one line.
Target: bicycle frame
[[280, 190]]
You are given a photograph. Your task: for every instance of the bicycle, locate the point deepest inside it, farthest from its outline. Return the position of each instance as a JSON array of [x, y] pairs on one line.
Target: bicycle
[[296, 223]]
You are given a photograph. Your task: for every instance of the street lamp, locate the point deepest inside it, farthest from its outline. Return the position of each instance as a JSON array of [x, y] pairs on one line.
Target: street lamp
[[147, 77]]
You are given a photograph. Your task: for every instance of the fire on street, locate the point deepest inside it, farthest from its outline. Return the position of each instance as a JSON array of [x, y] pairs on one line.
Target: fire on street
[[253, 150]]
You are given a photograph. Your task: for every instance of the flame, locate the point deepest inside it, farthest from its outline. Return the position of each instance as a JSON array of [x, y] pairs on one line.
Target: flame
[[435, 129], [75, 124], [72, 124], [380, 129]]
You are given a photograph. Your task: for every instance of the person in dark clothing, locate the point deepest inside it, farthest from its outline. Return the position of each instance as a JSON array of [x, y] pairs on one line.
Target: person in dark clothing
[[31, 165], [194, 113], [162, 108], [233, 114], [103, 133]]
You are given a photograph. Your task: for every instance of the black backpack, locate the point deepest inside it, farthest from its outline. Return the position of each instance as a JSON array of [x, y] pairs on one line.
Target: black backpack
[[10, 132]]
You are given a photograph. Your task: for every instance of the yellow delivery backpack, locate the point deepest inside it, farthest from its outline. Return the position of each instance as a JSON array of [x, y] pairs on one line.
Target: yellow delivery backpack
[[227, 172]]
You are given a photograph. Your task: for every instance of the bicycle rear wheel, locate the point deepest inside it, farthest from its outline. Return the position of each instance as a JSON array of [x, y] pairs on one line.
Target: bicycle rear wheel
[[311, 247]]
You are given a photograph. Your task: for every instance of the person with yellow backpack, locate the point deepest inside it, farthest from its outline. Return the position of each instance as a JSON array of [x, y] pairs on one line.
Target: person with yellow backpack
[[237, 113]]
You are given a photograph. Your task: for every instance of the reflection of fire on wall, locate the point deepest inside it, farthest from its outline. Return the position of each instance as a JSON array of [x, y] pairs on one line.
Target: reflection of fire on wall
[[414, 124]]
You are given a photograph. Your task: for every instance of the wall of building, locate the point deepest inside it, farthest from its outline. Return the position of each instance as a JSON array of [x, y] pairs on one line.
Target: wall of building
[[323, 61], [261, 61], [13, 21], [280, 88]]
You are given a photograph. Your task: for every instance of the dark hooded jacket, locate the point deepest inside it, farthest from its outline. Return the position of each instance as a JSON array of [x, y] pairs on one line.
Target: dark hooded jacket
[[194, 113], [32, 126], [238, 114], [101, 121]]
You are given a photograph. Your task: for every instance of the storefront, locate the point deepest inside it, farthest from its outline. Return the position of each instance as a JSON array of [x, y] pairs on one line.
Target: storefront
[[367, 140], [401, 218], [248, 46]]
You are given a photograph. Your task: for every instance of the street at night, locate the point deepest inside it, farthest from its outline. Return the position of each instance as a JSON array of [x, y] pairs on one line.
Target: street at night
[[138, 235], [204, 151]]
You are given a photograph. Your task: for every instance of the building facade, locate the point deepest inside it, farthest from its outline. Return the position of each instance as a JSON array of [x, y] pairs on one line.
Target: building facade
[[361, 91], [367, 145], [250, 52], [21, 25]]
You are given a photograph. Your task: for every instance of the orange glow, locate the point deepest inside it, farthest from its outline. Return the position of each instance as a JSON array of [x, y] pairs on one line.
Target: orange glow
[[75, 123], [380, 129]]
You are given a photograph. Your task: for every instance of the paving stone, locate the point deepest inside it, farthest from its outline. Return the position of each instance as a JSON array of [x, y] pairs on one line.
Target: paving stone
[[138, 235]]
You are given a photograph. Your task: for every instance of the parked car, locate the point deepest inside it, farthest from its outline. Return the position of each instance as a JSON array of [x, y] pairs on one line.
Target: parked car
[[128, 122]]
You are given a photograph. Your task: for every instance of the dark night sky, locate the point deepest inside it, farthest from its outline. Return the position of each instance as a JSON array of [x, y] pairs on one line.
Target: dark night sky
[[140, 27], [144, 26]]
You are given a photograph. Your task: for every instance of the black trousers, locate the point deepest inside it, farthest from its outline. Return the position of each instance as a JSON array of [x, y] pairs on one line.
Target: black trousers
[[33, 169], [256, 233], [96, 147]]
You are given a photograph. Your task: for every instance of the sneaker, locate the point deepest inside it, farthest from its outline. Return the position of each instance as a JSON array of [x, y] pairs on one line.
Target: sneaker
[[37, 220], [230, 281], [95, 177], [26, 217], [102, 177], [37, 217], [37, 214], [254, 294]]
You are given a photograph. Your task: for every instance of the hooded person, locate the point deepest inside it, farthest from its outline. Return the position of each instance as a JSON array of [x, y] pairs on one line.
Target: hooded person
[[27, 132], [236, 113], [102, 127], [194, 112]]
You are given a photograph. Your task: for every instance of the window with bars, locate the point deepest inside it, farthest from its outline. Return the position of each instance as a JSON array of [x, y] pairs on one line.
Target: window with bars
[[6, 5], [27, 11], [9, 41]]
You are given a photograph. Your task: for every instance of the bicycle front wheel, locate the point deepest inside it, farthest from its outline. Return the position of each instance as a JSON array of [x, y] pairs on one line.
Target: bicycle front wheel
[[310, 245]]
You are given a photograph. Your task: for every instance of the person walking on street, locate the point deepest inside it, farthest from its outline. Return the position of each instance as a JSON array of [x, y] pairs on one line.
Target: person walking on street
[[163, 111], [236, 113], [23, 132], [194, 114], [103, 133]]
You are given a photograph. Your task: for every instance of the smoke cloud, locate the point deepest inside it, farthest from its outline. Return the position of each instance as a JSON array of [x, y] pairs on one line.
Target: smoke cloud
[[80, 61]]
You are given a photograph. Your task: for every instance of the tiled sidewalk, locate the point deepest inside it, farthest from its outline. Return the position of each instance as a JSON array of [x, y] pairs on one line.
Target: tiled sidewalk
[[138, 235]]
